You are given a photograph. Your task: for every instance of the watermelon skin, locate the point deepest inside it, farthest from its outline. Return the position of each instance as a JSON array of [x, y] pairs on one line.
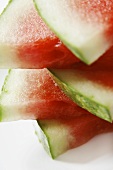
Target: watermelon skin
[[32, 94], [26, 42], [90, 89], [59, 136]]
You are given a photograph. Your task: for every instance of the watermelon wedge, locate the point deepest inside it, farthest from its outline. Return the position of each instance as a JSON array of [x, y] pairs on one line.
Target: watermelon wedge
[[90, 89], [26, 42], [58, 136], [85, 27], [32, 94]]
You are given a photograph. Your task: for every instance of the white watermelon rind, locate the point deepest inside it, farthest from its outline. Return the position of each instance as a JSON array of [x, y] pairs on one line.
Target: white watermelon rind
[[87, 51], [53, 142], [77, 51], [82, 100]]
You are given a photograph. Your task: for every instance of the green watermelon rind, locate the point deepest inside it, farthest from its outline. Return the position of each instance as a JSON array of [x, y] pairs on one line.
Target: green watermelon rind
[[51, 134], [4, 90], [9, 2], [83, 101], [44, 139]]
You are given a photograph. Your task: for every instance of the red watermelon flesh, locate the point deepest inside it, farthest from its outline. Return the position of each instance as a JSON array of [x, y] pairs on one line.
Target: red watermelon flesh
[[88, 127], [47, 100], [71, 133], [105, 62], [32, 94], [26, 42], [100, 12], [99, 72]]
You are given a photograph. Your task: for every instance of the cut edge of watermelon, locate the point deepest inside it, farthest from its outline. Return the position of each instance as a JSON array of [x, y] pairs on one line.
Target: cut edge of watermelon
[[47, 141], [1, 93], [81, 100], [42, 137], [8, 3]]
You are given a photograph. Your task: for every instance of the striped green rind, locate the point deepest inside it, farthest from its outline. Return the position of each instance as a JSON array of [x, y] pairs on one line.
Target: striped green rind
[[54, 136], [4, 91], [83, 101], [44, 139]]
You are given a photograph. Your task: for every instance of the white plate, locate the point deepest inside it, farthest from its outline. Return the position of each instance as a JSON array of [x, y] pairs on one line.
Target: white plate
[[20, 150]]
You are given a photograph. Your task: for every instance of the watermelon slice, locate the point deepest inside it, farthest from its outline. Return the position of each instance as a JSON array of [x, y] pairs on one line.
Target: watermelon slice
[[85, 27], [32, 94], [90, 89], [58, 136], [26, 42]]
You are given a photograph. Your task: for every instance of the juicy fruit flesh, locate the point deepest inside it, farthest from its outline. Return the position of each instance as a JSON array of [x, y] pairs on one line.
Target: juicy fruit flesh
[[100, 71], [100, 77], [90, 87], [49, 100], [105, 62], [100, 12], [43, 48], [88, 126], [71, 132], [43, 96], [31, 41], [49, 53], [32, 94]]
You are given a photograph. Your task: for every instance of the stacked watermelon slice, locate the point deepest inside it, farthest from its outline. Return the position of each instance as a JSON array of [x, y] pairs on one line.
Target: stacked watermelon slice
[[64, 54]]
